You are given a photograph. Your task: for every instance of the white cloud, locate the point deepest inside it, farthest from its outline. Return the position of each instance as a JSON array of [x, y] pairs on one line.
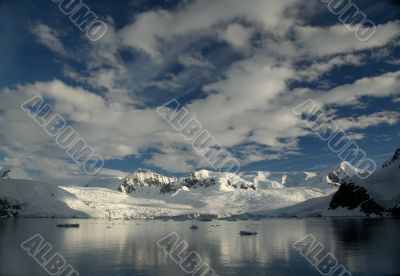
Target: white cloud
[[248, 92], [355, 136], [319, 68], [170, 84], [113, 130], [323, 41], [49, 37], [247, 104], [370, 120], [173, 160], [237, 36], [384, 85], [150, 29]]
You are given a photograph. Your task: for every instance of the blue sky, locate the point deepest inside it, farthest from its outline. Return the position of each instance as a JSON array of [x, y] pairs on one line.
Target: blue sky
[[239, 67]]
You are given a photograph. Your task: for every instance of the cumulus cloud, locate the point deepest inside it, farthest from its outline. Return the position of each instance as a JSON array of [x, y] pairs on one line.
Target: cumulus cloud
[[114, 131], [150, 29], [237, 36], [244, 96]]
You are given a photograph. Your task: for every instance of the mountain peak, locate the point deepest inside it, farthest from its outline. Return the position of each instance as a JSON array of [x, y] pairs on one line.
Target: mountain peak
[[344, 171], [395, 157], [344, 165], [200, 174], [141, 170]]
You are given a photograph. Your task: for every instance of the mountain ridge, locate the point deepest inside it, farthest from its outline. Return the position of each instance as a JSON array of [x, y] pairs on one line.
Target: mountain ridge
[[145, 180]]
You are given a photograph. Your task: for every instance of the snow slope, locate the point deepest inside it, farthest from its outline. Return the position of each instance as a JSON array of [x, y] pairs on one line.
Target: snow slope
[[26, 198]]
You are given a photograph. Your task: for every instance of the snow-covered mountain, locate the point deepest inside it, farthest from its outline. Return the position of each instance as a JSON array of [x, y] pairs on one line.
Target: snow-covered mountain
[[222, 181], [332, 177], [378, 194], [342, 173], [147, 194], [144, 180]]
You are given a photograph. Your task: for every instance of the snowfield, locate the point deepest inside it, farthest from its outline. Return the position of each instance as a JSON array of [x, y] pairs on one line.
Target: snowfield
[[117, 205], [34, 199]]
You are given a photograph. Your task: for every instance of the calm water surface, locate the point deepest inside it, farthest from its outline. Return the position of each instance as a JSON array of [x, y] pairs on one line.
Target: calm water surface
[[365, 247]]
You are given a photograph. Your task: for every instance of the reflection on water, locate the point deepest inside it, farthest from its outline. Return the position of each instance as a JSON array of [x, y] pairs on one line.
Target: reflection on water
[[366, 247]]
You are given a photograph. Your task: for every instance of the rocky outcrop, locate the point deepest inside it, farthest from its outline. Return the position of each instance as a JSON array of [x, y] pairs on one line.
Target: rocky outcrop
[[377, 195], [169, 188], [349, 196], [9, 209]]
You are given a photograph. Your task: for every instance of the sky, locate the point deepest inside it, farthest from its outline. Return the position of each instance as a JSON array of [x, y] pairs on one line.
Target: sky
[[238, 67]]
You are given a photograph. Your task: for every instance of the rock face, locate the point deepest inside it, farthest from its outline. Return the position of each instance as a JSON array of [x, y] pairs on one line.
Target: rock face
[[142, 179], [224, 181], [379, 194]]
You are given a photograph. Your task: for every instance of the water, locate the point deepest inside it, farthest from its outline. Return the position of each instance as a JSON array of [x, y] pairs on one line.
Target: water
[[365, 247]]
